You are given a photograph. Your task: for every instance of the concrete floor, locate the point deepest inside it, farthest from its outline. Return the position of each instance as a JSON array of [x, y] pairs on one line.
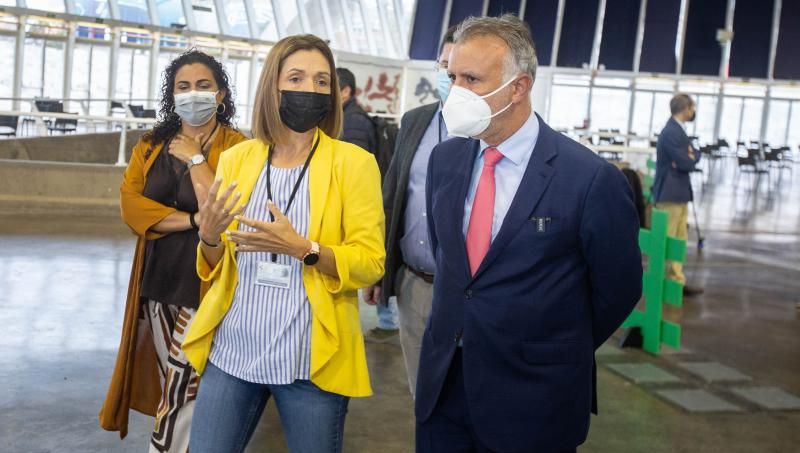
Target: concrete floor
[[63, 281]]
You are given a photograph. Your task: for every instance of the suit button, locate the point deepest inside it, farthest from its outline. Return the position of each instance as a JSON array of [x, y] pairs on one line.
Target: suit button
[[468, 294]]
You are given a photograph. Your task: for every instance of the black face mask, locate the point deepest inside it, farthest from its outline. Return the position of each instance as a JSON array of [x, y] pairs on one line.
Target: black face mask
[[691, 118], [303, 110]]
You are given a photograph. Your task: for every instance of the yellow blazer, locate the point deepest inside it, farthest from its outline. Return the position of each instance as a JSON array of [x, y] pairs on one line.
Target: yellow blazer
[[346, 216]]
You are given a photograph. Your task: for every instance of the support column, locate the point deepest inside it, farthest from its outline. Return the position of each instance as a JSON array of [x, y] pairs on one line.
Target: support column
[[19, 59], [154, 77], [69, 54], [726, 49], [116, 35], [557, 33]]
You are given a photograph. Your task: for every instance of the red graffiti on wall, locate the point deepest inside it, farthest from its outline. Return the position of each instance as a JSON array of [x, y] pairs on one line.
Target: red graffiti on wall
[[381, 90]]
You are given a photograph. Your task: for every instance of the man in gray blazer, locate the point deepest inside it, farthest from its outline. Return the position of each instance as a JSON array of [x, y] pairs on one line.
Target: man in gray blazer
[[409, 260]]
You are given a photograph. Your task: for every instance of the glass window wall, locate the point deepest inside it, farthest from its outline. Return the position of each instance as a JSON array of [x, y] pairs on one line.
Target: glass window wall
[[92, 8], [266, 27], [778, 122], [339, 31], [751, 120], [358, 31], [235, 14], [316, 22], [134, 11], [794, 132], [610, 109], [170, 12], [568, 106], [290, 16], [642, 113], [205, 15], [53, 6], [731, 119]]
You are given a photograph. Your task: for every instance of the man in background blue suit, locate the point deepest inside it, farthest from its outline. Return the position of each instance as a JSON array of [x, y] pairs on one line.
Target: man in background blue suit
[[537, 261], [672, 186]]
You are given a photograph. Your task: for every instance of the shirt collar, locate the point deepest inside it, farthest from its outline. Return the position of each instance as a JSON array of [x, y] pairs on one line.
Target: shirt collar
[[516, 147]]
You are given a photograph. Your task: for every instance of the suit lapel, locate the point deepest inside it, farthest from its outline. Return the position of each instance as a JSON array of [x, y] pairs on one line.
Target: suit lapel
[[534, 183], [415, 134], [453, 241]]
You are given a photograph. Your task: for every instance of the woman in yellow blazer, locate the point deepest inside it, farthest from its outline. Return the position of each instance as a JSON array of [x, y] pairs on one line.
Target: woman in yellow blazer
[[159, 204], [281, 317]]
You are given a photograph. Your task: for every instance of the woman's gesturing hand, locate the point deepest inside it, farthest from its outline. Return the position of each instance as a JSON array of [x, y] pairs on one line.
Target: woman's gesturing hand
[[275, 237], [217, 212]]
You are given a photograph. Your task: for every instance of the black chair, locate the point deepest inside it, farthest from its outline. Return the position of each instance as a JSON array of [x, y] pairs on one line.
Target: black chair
[[64, 125], [8, 125], [138, 111], [748, 162], [778, 159], [44, 105], [135, 110]]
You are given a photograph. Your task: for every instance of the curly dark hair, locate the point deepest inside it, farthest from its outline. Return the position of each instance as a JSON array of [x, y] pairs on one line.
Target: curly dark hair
[[169, 123]]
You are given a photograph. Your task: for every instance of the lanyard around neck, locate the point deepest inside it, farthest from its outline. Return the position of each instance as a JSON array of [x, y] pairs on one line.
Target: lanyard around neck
[[274, 257]]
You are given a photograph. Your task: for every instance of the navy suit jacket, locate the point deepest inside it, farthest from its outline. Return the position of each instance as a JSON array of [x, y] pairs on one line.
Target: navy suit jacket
[[672, 184], [542, 300]]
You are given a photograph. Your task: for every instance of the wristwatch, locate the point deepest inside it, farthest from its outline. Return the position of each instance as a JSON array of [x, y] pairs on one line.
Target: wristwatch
[[197, 159], [312, 256]]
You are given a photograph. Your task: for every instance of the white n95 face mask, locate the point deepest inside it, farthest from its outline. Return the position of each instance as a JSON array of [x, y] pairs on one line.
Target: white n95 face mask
[[467, 114], [196, 107]]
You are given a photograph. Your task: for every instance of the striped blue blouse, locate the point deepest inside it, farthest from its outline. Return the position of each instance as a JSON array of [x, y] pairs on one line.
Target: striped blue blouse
[[265, 336]]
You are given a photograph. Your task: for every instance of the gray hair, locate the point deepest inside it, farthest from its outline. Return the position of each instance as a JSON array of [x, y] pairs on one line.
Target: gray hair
[[510, 29]]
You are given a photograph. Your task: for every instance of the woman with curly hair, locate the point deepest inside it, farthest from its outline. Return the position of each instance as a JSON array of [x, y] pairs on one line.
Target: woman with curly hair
[[170, 166]]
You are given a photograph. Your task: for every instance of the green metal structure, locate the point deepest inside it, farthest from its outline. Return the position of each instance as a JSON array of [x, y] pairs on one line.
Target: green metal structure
[[657, 288]]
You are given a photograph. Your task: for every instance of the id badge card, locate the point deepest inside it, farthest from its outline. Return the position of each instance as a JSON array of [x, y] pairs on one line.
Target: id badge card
[[274, 274]]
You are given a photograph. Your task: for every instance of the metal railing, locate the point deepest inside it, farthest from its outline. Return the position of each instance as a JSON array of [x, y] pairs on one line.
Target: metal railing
[[92, 119]]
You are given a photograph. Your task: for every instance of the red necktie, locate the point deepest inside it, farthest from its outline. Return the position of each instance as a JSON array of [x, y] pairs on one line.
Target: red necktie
[[479, 232]]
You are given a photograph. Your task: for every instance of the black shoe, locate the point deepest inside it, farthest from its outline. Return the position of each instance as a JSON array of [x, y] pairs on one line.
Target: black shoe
[[690, 291]]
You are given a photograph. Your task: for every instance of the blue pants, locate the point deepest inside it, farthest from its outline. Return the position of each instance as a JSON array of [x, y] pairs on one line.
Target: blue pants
[[228, 409], [387, 315], [449, 429]]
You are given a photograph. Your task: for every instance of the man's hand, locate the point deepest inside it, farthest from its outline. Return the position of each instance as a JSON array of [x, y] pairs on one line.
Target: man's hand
[[372, 294]]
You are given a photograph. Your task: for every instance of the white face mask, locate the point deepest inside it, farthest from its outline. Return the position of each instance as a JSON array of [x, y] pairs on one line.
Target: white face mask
[[467, 114], [443, 84], [196, 107]]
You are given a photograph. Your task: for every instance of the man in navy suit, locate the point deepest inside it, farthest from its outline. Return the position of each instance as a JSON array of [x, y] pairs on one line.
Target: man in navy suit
[[537, 262], [672, 187]]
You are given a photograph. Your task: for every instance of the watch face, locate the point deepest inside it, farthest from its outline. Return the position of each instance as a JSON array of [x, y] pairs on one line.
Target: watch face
[[198, 159], [311, 259]]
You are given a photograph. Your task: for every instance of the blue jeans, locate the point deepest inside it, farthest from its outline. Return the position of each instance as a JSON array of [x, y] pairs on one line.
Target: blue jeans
[[387, 315], [228, 409]]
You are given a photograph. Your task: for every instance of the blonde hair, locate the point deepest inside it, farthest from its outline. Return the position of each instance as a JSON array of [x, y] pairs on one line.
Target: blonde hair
[[267, 125]]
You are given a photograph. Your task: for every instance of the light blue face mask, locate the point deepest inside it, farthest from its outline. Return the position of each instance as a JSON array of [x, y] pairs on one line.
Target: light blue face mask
[[443, 84], [196, 107]]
